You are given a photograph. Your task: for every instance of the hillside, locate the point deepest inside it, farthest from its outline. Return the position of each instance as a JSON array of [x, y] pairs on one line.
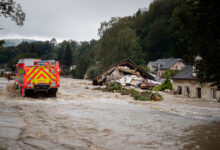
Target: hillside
[[15, 42]]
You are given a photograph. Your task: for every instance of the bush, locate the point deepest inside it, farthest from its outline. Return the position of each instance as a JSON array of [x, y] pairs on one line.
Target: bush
[[131, 92], [146, 93], [114, 86], [92, 72], [166, 85], [157, 88], [142, 98], [66, 72]]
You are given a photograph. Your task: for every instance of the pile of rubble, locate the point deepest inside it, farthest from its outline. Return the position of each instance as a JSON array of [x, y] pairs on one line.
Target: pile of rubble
[[127, 74]]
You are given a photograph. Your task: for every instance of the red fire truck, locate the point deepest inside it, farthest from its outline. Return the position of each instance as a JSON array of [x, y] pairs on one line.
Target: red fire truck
[[38, 75]]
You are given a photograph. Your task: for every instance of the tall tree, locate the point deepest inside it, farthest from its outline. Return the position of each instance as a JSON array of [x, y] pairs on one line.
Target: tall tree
[[9, 8], [200, 21], [68, 56], [1, 44]]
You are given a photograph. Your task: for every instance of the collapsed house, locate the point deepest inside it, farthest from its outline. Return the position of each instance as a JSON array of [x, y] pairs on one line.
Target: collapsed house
[[126, 72]]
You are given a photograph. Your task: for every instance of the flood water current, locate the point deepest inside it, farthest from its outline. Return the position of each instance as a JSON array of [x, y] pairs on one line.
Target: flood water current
[[82, 119]]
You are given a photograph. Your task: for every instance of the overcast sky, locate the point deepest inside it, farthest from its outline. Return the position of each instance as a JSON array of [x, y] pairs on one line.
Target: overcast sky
[[67, 19]]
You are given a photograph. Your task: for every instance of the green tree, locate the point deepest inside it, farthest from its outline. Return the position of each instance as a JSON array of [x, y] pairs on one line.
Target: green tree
[[166, 85], [2, 42], [68, 56], [199, 20], [158, 39], [84, 62], [92, 72], [9, 8]]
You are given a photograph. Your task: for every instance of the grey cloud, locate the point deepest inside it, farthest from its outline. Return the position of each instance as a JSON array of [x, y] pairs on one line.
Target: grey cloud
[[67, 19]]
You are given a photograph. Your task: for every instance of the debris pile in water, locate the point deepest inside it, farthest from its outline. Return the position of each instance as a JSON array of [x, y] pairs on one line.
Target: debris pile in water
[[127, 74]]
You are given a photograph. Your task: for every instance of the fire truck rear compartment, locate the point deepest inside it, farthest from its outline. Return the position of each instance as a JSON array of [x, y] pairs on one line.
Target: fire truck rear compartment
[[38, 76]]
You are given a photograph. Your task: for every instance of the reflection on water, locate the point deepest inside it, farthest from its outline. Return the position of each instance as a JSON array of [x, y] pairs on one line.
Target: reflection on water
[[204, 137]]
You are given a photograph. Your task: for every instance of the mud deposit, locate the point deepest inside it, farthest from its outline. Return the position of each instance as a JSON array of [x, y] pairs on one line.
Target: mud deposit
[[81, 118]]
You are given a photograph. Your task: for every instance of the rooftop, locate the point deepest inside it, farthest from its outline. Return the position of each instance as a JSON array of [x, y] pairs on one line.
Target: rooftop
[[165, 63], [186, 73]]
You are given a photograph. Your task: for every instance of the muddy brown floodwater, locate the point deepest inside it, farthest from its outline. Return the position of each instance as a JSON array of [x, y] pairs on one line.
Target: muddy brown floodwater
[[82, 118]]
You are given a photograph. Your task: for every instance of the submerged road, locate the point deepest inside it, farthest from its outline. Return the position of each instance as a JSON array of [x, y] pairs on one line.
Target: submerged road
[[81, 118]]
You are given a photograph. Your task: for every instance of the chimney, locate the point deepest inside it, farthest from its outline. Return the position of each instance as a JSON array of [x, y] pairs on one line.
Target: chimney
[[158, 69]]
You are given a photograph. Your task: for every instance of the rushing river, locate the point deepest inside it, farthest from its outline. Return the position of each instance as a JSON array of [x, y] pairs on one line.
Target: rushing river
[[89, 121]]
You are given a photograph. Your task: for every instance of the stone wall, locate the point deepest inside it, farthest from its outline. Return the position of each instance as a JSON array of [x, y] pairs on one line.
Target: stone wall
[[206, 89], [178, 66]]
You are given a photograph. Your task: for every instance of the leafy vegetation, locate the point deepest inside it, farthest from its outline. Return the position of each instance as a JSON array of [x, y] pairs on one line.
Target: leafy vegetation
[[117, 87], [169, 28], [199, 21], [166, 85], [66, 52], [169, 73], [67, 56], [145, 36], [13, 10], [92, 72]]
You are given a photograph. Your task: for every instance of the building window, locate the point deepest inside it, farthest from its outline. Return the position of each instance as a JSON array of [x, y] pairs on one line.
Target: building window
[[214, 95], [187, 91], [179, 90], [199, 92]]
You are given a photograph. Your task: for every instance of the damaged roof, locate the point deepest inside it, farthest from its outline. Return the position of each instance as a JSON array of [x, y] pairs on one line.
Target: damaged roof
[[165, 63], [129, 63]]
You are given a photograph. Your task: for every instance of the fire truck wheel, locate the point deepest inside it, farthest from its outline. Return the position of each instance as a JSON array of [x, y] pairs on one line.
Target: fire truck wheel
[[52, 92]]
